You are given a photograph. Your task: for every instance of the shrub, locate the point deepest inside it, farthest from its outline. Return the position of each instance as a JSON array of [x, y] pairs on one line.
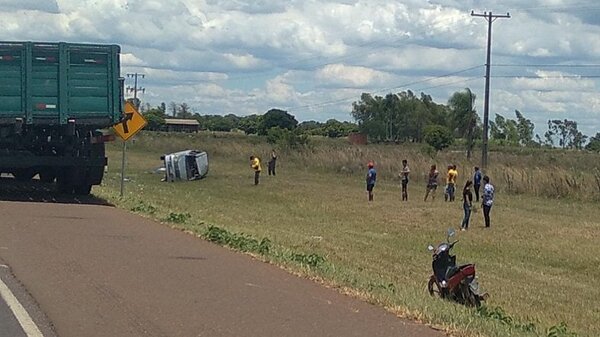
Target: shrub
[[286, 138], [439, 137]]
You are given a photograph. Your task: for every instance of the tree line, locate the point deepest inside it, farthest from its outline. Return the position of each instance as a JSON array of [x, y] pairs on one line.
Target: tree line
[[252, 124], [406, 117], [401, 117]]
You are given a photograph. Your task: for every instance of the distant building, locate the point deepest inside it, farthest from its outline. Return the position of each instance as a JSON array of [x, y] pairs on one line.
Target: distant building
[[181, 125]]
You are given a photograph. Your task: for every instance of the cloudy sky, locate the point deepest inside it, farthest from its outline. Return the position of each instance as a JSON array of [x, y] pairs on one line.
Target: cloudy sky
[[315, 57]]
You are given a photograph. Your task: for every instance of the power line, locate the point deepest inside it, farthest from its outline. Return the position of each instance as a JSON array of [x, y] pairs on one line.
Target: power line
[[545, 77], [550, 8], [331, 61], [464, 80], [328, 62], [550, 65], [331, 102]]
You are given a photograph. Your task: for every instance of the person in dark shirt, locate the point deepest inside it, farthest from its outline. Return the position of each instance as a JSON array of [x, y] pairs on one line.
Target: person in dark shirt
[[272, 163], [404, 177], [477, 182], [371, 179], [432, 183], [467, 204]]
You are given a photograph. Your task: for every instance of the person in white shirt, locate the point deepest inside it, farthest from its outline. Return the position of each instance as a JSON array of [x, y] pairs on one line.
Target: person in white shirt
[[487, 200]]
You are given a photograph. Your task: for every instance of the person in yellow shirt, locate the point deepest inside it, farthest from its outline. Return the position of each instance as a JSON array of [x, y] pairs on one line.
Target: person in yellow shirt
[[255, 164], [451, 183]]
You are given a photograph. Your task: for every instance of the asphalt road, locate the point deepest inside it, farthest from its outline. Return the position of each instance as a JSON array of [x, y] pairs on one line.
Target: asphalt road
[[9, 327], [94, 270]]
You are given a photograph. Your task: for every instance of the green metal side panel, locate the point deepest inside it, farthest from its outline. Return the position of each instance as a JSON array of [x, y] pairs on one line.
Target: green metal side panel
[[52, 83]]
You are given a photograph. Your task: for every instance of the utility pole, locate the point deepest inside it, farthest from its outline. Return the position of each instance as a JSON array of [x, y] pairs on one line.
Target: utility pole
[[135, 87], [135, 90], [490, 18]]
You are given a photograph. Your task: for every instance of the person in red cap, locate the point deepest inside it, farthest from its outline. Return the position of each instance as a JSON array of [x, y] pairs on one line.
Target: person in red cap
[[371, 179]]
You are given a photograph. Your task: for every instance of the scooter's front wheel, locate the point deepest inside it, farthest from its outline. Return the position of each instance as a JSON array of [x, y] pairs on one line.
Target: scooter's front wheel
[[433, 289]]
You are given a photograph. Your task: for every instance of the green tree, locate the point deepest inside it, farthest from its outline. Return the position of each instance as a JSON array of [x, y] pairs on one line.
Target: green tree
[[371, 117], [249, 124], [438, 136], [566, 132], [276, 118], [155, 118], [463, 118], [504, 130], [594, 143], [220, 123], [525, 129], [184, 111], [334, 128], [311, 128], [173, 108], [286, 138]]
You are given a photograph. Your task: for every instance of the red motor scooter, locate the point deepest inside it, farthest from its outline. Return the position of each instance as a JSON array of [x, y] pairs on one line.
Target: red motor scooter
[[450, 281]]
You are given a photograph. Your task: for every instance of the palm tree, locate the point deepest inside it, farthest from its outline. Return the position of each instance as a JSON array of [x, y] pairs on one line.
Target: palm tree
[[464, 117]]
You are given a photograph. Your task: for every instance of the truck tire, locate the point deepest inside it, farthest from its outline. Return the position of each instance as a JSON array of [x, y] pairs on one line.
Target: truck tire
[[81, 181], [64, 183], [83, 189]]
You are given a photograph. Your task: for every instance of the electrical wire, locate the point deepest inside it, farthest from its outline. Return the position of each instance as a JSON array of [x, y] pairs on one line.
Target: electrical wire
[[329, 61], [346, 99], [549, 65], [547, 77]]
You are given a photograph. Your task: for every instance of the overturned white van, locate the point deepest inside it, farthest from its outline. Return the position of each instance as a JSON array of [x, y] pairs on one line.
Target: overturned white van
[[185, 165]]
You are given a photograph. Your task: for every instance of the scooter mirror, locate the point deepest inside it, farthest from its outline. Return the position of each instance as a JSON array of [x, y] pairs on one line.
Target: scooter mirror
[[430, 248]]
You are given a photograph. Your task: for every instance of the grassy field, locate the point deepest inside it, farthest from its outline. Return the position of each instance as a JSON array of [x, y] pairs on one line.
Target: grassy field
[[538, 261]]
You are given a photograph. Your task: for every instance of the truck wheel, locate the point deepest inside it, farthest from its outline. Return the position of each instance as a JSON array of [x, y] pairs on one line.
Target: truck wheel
[[64, 185], [64, 182], [84, 189]]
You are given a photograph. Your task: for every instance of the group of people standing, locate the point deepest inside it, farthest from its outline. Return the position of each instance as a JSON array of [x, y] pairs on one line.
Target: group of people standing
[[255, 165], [487, 199], [449, 191]]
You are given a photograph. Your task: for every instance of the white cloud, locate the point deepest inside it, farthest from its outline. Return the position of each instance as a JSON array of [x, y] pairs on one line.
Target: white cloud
[[316, 57], [348, 76], [246, 61]]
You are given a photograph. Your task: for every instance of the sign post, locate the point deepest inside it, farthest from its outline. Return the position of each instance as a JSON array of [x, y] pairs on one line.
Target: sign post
[[131, 124]]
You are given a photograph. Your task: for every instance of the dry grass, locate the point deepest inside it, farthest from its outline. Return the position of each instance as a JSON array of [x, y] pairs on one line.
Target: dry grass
[[538, 261]]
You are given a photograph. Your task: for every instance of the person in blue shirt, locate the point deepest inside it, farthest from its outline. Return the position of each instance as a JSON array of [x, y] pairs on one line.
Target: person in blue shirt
[[371, 179], [477, 182]]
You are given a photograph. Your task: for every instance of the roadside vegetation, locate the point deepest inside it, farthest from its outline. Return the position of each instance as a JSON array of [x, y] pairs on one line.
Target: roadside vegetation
[[538, 261]]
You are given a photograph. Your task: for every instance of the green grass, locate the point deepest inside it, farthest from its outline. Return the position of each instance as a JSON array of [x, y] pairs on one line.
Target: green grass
[[539, 261]]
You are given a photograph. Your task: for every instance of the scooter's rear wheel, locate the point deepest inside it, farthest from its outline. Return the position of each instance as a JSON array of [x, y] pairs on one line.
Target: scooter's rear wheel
[[471, 299]]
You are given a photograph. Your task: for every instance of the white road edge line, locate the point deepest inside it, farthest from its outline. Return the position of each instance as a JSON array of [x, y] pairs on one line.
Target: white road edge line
[[31, 330]]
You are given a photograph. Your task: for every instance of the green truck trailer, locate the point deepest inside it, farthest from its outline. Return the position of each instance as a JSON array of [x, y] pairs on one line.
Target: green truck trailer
[[55, 98]]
